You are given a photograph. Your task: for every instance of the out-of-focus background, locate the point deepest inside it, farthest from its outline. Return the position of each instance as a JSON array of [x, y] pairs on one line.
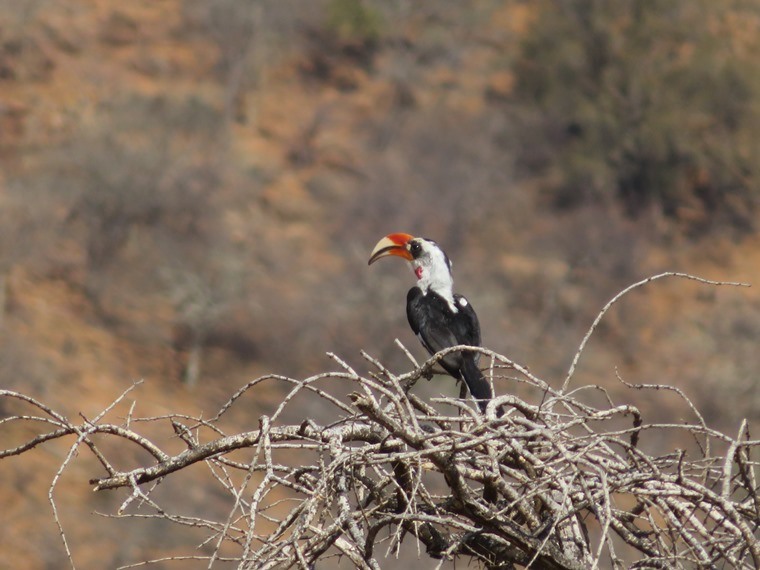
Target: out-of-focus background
[[189, 191]]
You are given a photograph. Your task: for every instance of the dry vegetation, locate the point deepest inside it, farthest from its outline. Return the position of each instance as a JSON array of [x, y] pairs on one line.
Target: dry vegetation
[[554, 484], [188, 191]]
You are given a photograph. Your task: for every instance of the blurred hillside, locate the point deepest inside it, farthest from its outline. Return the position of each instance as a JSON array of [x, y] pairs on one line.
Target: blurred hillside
[[189, 191]]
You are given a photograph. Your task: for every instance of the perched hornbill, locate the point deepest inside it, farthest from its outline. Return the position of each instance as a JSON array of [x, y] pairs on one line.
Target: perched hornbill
[[439, 317]]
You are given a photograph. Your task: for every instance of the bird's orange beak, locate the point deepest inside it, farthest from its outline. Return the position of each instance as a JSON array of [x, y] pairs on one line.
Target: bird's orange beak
[[392, 244]]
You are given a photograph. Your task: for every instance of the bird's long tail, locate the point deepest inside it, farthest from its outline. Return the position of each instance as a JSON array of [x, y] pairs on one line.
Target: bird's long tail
[[476, 382]]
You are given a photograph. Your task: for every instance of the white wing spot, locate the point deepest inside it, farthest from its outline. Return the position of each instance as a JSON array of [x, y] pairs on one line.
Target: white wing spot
[[462, 302]]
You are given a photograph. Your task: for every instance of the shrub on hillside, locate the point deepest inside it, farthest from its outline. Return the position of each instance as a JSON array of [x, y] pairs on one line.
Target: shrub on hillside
[[642, 101]]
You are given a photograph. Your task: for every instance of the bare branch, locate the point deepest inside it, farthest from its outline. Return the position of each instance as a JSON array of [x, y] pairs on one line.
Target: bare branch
[[624, 292], [555, 484]]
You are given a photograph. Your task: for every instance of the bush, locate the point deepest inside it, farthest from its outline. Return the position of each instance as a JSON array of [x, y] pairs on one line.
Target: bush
[[353, 21], [638, 100], [554, 482]]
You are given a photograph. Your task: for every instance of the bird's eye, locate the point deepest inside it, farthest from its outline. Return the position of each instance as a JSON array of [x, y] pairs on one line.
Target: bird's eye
[[415, 248]]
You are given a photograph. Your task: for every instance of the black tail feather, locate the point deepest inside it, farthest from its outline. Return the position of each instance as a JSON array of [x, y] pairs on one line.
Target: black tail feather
[[476, 382]]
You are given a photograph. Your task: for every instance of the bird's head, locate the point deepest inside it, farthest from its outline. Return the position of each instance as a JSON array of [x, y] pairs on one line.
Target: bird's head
[[429, 263]]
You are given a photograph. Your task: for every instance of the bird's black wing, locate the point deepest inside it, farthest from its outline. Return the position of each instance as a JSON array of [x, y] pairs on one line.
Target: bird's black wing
[[438, 327], [468, 332], [467, 325], [431, 320]]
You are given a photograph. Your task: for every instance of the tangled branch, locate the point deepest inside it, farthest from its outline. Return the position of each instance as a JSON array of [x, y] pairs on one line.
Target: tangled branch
[[553, 484]]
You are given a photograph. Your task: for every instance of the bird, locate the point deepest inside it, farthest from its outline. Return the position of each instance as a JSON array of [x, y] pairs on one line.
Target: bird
[[439, 317]]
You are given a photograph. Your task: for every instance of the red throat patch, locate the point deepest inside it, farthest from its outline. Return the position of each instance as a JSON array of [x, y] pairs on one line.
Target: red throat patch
[[418, 272]]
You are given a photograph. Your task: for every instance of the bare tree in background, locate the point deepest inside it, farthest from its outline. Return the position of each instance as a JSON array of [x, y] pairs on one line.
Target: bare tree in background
[[201, 300], [556, 483]]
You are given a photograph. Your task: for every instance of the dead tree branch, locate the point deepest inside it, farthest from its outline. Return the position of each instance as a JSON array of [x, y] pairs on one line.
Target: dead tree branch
[[555, 484]]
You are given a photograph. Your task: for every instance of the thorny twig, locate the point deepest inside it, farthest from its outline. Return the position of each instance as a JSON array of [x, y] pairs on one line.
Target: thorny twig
[[554, 484]]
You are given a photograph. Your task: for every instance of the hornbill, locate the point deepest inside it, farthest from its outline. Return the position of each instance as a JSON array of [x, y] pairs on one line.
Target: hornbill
[[439, 317]]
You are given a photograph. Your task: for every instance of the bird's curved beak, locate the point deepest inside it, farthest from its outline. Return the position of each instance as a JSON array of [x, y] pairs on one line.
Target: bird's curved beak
[[392, 244]]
